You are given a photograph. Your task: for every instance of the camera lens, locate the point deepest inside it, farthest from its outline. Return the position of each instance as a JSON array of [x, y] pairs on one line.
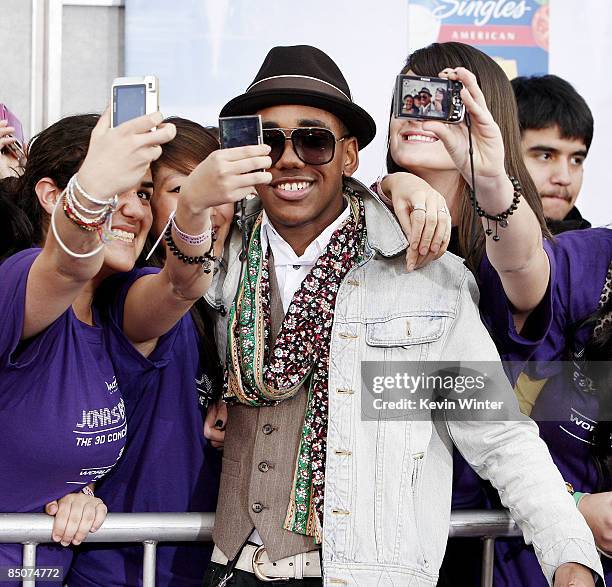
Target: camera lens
[[150, 85]]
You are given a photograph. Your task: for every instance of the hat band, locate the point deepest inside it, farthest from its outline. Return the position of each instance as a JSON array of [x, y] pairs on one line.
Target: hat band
[[297, 82]]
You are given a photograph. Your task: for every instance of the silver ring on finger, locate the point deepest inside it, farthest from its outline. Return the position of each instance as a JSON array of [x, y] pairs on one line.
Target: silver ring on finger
[[419, 207]]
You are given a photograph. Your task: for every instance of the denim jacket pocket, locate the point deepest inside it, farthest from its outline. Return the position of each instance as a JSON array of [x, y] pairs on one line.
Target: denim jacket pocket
[[404, 330]]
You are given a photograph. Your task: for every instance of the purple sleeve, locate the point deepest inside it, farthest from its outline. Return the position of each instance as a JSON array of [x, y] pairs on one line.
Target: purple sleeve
[[125, 356], [14, 273], [496, 313]]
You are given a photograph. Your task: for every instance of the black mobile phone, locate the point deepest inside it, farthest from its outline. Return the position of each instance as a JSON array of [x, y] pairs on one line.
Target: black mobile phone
[[239, 131], [428, 98]]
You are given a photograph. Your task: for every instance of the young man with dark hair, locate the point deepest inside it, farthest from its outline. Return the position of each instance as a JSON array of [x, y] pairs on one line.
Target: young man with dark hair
[[556, 129], [311, 492]]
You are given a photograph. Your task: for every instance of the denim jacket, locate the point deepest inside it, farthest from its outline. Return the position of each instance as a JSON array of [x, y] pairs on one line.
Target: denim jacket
[[388, 483]]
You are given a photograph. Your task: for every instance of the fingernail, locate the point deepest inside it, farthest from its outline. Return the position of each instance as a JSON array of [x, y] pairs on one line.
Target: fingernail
[[76, 542], [435, 248], [423, 251], [64, 543], [56, 538]]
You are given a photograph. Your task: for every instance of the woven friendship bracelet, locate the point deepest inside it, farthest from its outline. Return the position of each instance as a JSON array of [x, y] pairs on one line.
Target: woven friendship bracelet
[[190, 239]]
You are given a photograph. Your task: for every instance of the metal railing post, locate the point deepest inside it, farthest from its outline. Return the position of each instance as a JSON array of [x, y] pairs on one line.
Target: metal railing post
[[488, 558], [29, 560], [148, 563]]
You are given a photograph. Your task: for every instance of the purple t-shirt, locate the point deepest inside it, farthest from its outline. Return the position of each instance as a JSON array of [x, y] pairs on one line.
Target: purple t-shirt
[[566, 415], [62, 416], [167, 467]]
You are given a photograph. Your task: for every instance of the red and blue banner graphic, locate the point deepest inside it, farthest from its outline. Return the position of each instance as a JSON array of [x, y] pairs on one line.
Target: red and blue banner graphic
[[513, 32]]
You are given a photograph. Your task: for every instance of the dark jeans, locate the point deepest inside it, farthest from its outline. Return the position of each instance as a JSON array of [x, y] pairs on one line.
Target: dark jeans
[[215, 572]]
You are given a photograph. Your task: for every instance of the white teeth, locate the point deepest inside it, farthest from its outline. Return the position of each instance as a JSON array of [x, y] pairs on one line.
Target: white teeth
[[294, 186], [123, 235], [420, 138]]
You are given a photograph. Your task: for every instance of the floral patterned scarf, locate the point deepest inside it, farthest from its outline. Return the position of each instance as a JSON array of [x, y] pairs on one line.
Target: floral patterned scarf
[[259, 376]]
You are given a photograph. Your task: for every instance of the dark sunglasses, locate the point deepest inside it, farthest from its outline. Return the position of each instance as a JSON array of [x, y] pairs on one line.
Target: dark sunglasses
[[313, 145]]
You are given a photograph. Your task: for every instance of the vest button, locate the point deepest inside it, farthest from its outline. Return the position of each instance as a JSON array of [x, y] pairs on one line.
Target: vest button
[[257, 507], [267, 429], [263, 467]]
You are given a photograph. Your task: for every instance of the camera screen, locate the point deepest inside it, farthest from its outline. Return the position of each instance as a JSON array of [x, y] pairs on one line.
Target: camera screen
[[128, 102], [425, 98], [239, 131]]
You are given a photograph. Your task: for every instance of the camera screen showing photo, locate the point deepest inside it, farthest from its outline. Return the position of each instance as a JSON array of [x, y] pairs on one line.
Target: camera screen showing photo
[[421, 98]]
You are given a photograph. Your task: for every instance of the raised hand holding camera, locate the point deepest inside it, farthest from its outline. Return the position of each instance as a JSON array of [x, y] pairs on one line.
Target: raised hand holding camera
[[477, 150], [488, 146], [118, 157]]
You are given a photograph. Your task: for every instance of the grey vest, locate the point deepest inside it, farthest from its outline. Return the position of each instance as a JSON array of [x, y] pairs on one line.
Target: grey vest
[[259, 458]]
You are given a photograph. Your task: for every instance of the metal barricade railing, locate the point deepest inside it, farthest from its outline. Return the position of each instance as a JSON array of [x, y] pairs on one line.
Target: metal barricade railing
[[152, 528]]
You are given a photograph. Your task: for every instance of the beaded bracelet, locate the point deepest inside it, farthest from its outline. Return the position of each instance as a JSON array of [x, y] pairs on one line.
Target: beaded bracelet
[[502, 218], [205, 260]]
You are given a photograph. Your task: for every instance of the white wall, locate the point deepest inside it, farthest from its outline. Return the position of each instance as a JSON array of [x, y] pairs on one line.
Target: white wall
[[580, 52]]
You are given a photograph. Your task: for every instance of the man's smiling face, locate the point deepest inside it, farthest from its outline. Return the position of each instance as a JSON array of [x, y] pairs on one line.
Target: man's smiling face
[[302, 195]]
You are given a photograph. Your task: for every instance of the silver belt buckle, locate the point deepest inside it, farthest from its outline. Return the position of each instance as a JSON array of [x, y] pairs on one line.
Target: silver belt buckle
[[257, 563]]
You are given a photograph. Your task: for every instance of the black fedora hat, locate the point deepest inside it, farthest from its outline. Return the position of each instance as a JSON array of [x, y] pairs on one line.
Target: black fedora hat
[[306, 76]]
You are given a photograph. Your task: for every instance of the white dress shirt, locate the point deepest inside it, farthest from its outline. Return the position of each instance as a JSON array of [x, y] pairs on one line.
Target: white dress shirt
[[291, 269]]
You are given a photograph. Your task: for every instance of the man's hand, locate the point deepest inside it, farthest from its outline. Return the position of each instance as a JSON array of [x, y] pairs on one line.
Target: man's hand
[[215, 422], [573, 575], [597, 511], [76, 515]]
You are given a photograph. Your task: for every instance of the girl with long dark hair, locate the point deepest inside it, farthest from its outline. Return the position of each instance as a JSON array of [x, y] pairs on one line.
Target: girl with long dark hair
[[168, 466], [538, 298], [62, 417]]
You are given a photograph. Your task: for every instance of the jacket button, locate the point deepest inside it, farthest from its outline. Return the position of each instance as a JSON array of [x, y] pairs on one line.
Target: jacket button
[[257, 507], [263, 467], [267, 429]]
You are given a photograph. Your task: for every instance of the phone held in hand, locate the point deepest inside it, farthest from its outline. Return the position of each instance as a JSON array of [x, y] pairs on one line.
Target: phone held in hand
[[428, 98], [16, 148], [240, 131], [132, 97]]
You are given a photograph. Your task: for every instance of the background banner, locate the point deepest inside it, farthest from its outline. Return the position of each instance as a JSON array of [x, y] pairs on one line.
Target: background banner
[[515, 33]]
